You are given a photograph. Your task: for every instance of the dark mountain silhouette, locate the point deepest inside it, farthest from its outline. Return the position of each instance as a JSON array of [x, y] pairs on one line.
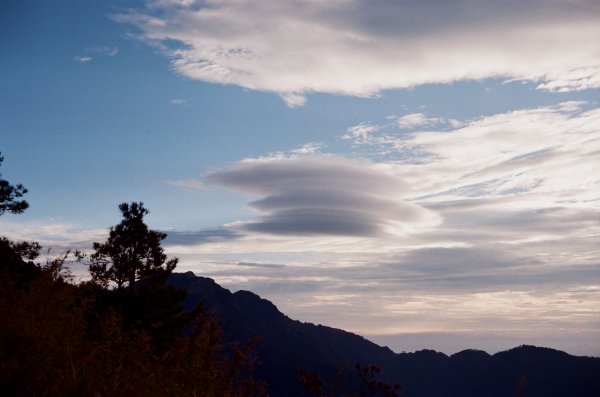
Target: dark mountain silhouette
[[286, 346]]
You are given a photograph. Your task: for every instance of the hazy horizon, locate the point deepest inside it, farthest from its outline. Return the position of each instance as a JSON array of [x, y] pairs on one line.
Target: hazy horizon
[[423, 174]]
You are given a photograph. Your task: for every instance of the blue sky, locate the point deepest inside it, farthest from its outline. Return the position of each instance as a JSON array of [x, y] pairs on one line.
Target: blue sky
[[423, 174]]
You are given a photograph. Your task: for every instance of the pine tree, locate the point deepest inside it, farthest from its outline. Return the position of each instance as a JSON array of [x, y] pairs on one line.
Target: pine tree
[[131, 253], [16, 258], [9, 196]]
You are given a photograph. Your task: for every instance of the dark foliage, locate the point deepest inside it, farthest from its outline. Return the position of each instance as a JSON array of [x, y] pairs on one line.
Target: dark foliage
[[131, 253], [16, 258], [61, 338], [10, 196], [16, 261], [364, 383], [58, 342]]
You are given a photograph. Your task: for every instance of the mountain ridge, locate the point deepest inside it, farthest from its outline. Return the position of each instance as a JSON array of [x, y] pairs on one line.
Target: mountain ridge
[[286, 346]]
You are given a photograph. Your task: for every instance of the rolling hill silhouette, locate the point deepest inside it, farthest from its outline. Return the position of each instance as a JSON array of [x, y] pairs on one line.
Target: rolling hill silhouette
[[286, 346]]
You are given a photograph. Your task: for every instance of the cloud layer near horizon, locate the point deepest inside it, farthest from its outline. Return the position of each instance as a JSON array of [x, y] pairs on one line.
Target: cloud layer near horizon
[[360, 48]]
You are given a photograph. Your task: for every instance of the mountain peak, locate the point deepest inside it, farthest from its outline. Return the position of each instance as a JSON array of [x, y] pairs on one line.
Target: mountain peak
[[285, 346]]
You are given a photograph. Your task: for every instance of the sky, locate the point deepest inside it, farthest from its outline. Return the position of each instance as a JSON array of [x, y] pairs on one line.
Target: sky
[[422, 173]]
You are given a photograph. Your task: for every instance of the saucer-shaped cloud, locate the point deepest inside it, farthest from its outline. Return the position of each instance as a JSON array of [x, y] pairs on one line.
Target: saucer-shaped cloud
[[323, 195], [293, 47]]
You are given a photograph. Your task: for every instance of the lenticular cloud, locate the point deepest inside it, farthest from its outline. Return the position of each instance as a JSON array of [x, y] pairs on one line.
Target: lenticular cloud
[[323, 195]]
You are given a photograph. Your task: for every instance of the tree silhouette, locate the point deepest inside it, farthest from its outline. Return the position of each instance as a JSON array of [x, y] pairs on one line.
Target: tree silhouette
[[367, 386], [63, 338], [59, 338], [9, 196], [131, 253], [16, 258]]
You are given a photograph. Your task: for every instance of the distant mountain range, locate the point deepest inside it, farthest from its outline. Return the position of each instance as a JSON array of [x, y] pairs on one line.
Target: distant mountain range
[[286, 346]]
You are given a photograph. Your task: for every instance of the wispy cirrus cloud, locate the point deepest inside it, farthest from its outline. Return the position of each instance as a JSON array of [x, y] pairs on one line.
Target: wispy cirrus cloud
[[101, 50], [363, 47], [105, 50], [516, 154]]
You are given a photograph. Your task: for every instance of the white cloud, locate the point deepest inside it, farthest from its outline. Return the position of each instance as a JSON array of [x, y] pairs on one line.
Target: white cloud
[[82, 58], [178, 101], [170, 3], [361, 133], [543, 155], [550, 151], [295, 47], [306, 149], [294, 99], [415, 120], [455, 123], [193, 184]]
